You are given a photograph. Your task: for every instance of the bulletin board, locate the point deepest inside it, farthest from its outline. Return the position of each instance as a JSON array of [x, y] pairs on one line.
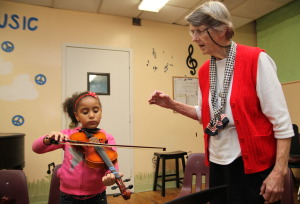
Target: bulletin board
[[185, 90]]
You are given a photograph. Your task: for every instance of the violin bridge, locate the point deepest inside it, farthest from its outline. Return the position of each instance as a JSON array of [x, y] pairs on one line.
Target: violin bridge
[[94, 140]]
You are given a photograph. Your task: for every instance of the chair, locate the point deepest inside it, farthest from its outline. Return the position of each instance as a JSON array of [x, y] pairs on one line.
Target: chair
[[288, 194], [295, 145], [166, 156], [54, 194], [195, 166], [201, 197], [13, 186], [294, 158]]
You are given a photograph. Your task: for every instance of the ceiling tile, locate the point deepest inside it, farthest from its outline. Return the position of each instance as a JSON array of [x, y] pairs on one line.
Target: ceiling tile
[[168, 14], [185, 4], [282, 1], [35, 2], [255, 8], [230, 4], [78, 5], [242, 11], [128, 8], [240, 21], [181, 21]]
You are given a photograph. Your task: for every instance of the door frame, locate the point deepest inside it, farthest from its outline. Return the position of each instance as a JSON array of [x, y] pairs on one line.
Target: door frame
[[63, 86]]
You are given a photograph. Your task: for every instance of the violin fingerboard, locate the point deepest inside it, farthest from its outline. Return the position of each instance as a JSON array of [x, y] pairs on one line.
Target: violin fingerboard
[[107, 161]]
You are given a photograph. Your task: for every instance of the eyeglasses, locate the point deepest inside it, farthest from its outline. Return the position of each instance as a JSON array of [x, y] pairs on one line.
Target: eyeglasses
[[197, 33]]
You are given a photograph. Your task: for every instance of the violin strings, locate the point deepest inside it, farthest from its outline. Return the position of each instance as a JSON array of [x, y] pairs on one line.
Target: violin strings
[[107, 161]]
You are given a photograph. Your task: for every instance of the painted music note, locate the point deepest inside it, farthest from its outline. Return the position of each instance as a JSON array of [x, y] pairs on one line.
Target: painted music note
[[190, 61], [153, 52], [166, 67]]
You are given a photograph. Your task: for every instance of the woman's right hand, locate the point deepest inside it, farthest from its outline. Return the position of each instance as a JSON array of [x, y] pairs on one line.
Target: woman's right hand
[[161, 99], [55, 135]]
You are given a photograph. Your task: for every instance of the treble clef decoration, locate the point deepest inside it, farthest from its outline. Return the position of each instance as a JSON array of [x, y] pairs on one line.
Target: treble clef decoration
[[191, 62]]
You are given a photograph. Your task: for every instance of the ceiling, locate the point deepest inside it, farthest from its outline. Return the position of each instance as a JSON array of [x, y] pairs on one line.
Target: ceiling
[[242, 11]]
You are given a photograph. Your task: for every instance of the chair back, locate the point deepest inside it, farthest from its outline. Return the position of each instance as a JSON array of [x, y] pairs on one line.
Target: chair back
[[295, 144], [195, 167], [54, 194], [288, 194], [13, 186]]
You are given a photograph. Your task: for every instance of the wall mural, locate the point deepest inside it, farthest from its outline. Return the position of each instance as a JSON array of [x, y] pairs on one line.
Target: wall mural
[[7, 46], [18, 120], [155, 61], [15, 22], [21, 86], [190, 61]]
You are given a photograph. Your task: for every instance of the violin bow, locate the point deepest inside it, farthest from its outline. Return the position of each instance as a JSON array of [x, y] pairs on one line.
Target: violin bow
[[81, 143]]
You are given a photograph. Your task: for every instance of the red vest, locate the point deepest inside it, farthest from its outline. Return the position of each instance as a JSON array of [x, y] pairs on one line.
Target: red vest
[[255, 132]]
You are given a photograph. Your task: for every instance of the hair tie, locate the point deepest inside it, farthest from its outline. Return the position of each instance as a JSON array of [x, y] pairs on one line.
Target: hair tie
[[88, 94]]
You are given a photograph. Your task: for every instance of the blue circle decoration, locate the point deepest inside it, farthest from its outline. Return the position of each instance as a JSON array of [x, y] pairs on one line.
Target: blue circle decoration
[[40, 79], [7, 46], [18, 120]]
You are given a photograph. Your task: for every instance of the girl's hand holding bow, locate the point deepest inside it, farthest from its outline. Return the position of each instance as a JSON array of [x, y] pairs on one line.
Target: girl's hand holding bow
[[56, 136]]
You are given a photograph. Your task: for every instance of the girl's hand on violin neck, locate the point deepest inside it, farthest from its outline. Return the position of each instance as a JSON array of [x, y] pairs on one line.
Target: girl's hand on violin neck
[[55, 135], [110, 179]]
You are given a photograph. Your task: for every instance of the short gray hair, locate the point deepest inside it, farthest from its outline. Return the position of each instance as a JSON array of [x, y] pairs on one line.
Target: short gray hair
[[212, 14]]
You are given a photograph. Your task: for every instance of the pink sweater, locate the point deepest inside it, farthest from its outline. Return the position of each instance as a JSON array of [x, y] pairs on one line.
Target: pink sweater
[[76, 177]]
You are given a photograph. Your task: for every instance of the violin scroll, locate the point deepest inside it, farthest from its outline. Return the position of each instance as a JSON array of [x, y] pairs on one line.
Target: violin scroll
[[125, 192]]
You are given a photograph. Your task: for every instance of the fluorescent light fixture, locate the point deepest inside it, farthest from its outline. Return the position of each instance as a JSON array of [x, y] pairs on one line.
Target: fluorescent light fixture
[[152, 5]]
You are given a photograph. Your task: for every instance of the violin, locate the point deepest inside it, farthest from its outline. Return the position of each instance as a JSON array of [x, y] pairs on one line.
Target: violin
[[100, 157], [94, 146], [92, 156]]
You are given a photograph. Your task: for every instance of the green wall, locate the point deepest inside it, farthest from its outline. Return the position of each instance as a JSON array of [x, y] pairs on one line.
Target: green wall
[[279, 34]]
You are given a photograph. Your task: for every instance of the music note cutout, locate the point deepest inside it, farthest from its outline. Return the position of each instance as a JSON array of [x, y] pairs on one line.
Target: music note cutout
[[190, 61], [166, 67], [153, 52]]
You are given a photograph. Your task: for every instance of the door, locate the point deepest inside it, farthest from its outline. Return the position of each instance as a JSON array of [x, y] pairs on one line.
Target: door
[[116, 113]]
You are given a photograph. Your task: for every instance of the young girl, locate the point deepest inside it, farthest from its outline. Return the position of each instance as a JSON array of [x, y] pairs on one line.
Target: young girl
[[79, 183]]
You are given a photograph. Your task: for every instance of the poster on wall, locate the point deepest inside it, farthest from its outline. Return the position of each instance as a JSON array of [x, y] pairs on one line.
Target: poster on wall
[[185, 90]]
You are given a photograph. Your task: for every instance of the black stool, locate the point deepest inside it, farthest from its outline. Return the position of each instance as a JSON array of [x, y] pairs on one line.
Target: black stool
[[164, 156]]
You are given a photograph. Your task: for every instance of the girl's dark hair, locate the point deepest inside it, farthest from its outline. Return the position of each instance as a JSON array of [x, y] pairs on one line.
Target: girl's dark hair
[[69, 107]]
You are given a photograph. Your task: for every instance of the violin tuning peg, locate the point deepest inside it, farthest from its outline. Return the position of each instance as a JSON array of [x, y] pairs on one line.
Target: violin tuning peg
[[126, 180], [117, 194], [114, 187], [130, 186]]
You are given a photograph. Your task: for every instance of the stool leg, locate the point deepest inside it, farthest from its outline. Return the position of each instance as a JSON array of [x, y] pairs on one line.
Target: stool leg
[[156, 173], [177, 173], [183, 163], [163, 192]]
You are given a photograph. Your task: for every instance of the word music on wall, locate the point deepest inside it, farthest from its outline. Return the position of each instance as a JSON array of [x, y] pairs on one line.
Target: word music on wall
[[15, 22]]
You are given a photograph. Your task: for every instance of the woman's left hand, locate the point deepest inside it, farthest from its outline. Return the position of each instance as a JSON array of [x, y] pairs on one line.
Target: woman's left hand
[[109, 179], [272, 187]]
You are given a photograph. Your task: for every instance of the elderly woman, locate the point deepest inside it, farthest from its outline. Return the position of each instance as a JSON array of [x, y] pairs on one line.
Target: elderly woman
[[247, 127]]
